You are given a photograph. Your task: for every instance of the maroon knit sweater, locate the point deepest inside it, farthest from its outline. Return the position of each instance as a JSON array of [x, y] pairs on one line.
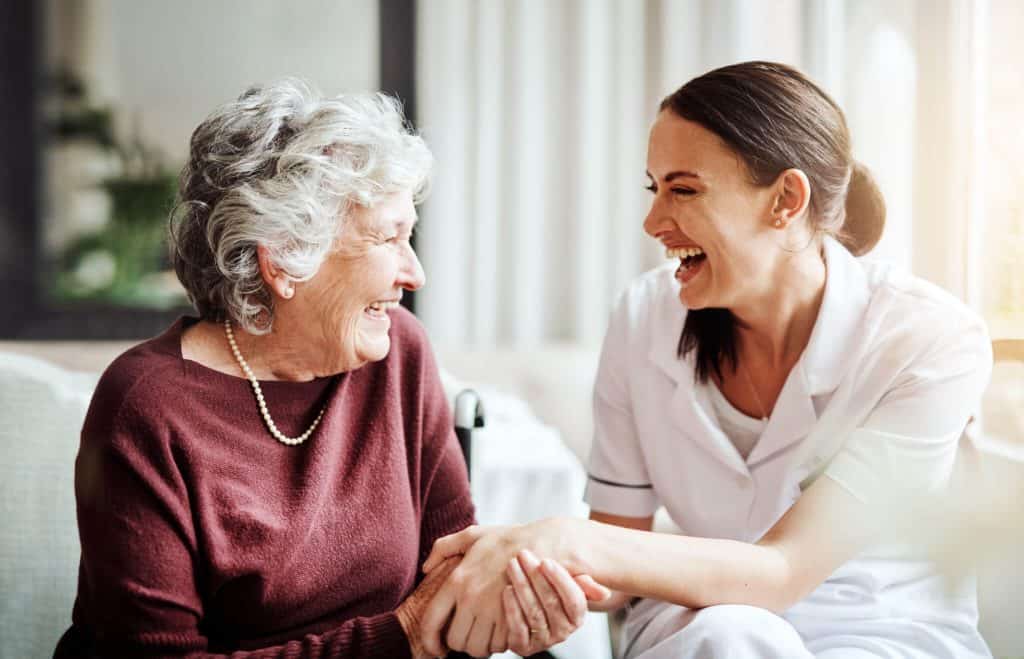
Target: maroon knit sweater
[[203, 535]]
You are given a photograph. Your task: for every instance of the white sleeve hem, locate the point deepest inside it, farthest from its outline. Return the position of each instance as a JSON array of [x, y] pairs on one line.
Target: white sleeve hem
[[628, 500]]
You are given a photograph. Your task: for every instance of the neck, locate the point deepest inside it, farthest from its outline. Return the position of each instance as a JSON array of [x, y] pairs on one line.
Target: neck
[[270, 356], [778, 324]]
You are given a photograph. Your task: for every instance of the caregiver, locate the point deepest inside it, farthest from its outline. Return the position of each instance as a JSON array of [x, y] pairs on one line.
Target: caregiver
[[783, 400]]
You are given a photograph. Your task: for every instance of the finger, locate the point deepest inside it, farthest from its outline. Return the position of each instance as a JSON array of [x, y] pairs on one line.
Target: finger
[[531, 607], [435, 617], [499, 637], [572, 597], [459, 630], [479, 642], [518, 630], [594, 591], [452, 545], [559, 624]]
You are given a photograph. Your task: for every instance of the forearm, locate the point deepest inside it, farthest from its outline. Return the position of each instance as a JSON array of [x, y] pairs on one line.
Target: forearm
[[693, 572]]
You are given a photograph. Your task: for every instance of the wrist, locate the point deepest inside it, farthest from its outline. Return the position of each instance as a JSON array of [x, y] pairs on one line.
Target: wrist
[[410, 626], [586, 555], [576, 541]]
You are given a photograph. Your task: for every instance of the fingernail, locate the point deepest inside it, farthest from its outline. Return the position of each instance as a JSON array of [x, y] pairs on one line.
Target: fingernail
[[527, 556]]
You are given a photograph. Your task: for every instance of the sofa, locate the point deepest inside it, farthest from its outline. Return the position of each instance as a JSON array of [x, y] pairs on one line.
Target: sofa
[[45, 389]]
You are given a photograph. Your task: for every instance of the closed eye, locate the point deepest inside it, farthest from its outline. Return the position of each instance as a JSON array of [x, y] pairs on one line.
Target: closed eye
[[400, 238], [686, 192]]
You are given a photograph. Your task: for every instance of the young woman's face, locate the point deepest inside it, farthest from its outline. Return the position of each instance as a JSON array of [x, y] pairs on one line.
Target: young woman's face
[[709, 214]]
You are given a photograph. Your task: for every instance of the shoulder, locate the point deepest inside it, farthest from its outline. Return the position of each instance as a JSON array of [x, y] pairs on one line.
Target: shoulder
[[138, 384], [410, 362], [913, 321], [900, 300]]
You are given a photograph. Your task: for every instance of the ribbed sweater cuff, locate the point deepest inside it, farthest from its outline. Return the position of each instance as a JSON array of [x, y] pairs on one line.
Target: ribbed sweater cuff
[[386, 638]]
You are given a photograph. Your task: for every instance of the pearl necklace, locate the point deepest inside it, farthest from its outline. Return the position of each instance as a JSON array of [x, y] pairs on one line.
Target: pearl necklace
[[271, 426]]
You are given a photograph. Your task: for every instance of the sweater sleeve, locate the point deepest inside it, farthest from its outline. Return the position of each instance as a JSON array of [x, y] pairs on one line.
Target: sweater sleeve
[[445, 495], [140, 568]]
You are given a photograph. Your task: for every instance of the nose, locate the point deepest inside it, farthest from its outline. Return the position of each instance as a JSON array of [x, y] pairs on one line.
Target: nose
[[411, 275], [657, 221]]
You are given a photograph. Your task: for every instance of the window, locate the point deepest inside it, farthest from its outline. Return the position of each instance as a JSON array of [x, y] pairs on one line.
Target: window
[[997, 221]]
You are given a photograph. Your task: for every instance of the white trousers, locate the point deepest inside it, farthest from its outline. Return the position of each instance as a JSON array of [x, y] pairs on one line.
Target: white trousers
[[657, 630]]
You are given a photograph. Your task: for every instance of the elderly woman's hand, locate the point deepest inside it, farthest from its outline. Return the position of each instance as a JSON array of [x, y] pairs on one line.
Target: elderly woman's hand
[[410, 612], [544, 605], [475, 590]]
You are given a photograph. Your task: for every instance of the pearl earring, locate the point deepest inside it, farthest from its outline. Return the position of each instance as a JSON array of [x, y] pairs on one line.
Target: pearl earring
[[778, 222], [289, 292]]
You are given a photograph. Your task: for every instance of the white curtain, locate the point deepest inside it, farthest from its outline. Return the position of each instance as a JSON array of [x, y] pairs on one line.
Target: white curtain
[[538, 113]]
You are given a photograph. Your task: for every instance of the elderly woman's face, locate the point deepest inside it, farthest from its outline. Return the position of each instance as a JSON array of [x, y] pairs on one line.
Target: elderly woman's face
[[361, 280], [706, 203]]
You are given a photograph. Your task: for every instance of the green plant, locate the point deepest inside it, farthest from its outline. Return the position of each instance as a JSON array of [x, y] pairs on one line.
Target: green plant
[[124, 262]]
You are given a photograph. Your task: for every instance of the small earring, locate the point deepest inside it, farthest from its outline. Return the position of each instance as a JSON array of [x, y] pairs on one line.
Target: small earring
[[778, 222], [289, 292]]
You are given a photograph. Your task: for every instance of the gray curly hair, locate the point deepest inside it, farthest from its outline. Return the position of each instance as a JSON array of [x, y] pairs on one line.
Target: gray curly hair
[[282, 167]]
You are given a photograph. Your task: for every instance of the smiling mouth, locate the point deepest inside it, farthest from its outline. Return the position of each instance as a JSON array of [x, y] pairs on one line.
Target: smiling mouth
[[689, 257], [381, 308]]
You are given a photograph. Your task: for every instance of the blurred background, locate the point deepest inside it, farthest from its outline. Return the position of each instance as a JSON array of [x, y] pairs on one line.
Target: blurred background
[[538, 115], [537, 112]]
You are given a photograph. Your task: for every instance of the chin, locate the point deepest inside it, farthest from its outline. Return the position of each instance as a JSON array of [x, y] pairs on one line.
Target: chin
[[376, 350], [693, 302]]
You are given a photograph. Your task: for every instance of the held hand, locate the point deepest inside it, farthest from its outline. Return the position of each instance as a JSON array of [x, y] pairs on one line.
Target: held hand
[[471, 597], [555, 538], [475, 589], [470, 605], [410, 613], [544, 605], [455, 544]]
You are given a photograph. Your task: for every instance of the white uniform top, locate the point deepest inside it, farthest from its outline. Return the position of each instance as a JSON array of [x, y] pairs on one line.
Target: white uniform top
[[877, 402], [742, 430]]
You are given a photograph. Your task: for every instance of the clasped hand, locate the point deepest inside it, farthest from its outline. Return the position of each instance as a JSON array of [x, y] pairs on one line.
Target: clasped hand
[[497, 594]]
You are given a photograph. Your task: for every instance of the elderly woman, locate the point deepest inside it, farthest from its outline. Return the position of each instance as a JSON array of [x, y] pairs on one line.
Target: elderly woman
[[784, 401], [266, 479]]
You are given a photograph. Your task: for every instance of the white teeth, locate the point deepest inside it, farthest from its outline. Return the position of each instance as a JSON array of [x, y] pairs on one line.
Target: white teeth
[[383, 306], [682, 252]]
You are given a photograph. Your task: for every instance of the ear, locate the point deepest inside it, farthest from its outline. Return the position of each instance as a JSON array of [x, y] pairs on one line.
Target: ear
[[792, 197], [276, 279]]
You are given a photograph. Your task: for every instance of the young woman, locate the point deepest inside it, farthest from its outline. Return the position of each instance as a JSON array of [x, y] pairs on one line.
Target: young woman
[[783, 400]]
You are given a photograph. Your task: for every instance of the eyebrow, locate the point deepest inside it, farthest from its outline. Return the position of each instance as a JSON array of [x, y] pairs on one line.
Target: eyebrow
[[671, 176]]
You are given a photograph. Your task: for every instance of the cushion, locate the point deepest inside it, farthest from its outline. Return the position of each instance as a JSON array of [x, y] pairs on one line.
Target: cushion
[[42, 407]]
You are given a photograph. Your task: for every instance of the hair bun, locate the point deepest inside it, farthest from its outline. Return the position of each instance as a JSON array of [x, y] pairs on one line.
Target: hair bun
[[865, 212]]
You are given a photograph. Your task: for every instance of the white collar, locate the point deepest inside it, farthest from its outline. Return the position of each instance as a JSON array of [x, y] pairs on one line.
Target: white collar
[[838, 325], [819, 370], [833, 335]]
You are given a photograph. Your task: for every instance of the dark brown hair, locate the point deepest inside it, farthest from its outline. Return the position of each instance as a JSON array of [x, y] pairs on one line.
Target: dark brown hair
[[775, 119]]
